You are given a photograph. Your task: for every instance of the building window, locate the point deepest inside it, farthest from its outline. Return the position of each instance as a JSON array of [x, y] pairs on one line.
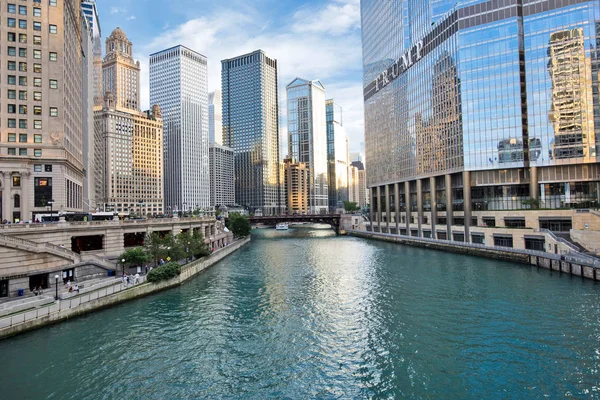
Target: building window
[[37, 138], [514, 222], [23, 66], [12, 51], [12, 137], [37, 26], [12, 65], [22, 94], [37, 96], [12, 108], [12, 23], [22, 109], [37, 68], [22, 81], [535, 243], [22, 124], [53, 84], [37, 82], [12, 37], [12, 8], [37, 152], [37, 110], [53, 29], [37, 124], [52, 3], [37, 39], [22, 138], [17, 201], [37, 12], [22, 52], [503, 240], [22, 24], [12, 94], [12, 80], [53, 56], [42, 191], [22, 10], [54, 111], [557, 224], [12, 123], [22, 152], [12, 152], [16, 181], [48, 167], [37, 54], [478, 238], [22, 38], [37, 168]]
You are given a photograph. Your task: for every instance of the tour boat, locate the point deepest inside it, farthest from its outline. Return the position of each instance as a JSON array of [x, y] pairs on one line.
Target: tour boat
[[283, 226]]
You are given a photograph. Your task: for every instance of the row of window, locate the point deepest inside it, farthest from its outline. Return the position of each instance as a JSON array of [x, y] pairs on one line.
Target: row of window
[[37, 26], [37, 96], [12, 138], [37, 54], [12, 123], [23, 152], [37, 110], [37, 82], [12, 66]]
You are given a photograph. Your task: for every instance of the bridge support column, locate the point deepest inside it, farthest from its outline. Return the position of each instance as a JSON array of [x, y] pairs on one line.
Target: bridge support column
[[408, 209], [420, 207], [397, 207], [387, 208], [449, 207], [371, 212], [379, 208], [467, 204], [432, 195]]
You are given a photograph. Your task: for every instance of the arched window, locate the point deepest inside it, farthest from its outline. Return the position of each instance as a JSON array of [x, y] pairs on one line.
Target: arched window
[[17, 201]]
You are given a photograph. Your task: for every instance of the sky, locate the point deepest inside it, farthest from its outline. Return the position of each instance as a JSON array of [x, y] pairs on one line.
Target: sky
[[310, 39]]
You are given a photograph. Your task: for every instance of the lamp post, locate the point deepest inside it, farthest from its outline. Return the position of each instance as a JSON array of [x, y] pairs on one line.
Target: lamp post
[[188, 252], [169, 253], [56, 286], [123, 264], [51, 203]]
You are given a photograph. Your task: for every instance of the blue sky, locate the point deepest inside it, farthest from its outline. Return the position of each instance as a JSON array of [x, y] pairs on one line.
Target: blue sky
[[310, 39]]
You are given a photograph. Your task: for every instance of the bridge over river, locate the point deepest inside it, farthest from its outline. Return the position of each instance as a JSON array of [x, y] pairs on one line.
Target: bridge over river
[[332, 220]]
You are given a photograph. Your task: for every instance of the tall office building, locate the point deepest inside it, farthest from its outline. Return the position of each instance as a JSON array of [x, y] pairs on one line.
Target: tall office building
[[87, 118], [444, 155], [179, 85], [337, 155], [361, 192], [307, 137], [296, 184], [222, 186], [90, 12], [41, 90], [251, 128], [215, 117], [129, 143]]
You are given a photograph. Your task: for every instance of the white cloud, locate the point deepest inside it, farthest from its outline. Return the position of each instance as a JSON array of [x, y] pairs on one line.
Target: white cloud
[[131, 18], [327, 49], [118, 10]]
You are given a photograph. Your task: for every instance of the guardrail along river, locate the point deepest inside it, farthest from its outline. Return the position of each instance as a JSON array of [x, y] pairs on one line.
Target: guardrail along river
[[303, 314]]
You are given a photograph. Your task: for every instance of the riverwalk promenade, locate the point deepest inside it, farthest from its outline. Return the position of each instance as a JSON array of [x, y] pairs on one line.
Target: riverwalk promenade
[[107, 295], [572, 263]]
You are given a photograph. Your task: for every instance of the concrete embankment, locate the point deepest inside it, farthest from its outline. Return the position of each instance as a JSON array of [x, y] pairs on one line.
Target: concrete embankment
[[570, 264], [70, 308]]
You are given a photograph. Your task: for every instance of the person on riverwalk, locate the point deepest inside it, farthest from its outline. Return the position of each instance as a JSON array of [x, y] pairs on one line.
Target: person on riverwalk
[[137, 278], [124, 280]]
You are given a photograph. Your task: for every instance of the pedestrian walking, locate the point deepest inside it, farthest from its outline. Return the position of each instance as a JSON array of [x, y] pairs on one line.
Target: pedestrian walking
[[137, 278]]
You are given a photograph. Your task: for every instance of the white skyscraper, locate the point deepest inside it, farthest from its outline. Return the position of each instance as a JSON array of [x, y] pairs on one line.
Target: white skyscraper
[[215, 117], [178, 83]]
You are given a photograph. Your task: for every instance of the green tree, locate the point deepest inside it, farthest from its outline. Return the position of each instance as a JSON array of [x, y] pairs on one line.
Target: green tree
[[174, 249], [135, 256], [198, 247], [238, 224], [351, 207], [164, 272], [154, 245]]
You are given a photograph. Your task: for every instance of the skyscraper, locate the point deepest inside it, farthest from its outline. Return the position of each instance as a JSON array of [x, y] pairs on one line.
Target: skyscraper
[[215, 117], [296, 178], [129, 143], [179, 85], [89, 166], [222, 186], [307, 137], [41, 89], [90, 12], [251, 128], [337, 155]]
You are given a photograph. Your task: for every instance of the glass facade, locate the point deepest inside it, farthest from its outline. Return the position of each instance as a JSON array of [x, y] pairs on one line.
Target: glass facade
[[337, 157], [494, 104], [251, 128]]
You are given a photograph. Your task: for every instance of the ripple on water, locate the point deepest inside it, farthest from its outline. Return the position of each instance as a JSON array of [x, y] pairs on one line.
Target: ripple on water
[[306, 315]]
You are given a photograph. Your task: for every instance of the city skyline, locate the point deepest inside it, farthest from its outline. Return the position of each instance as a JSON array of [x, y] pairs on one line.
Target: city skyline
[[290, 32]]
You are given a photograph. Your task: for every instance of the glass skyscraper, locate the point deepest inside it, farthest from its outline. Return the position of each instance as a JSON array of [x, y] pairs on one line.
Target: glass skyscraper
[[337, 155], [251, 128], [307, 137], [479, 108], [179, 85]]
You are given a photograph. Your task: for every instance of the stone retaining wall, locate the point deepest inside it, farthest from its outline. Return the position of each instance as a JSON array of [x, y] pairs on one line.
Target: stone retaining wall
[[106, 297]]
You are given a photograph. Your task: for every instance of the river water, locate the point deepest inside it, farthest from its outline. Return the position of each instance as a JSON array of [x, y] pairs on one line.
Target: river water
[[303, 314]]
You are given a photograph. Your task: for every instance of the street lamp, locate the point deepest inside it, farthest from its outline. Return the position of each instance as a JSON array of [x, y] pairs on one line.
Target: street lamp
[[123, 264], [184, 209], [51, 203], [56, 286], [188, 252]]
